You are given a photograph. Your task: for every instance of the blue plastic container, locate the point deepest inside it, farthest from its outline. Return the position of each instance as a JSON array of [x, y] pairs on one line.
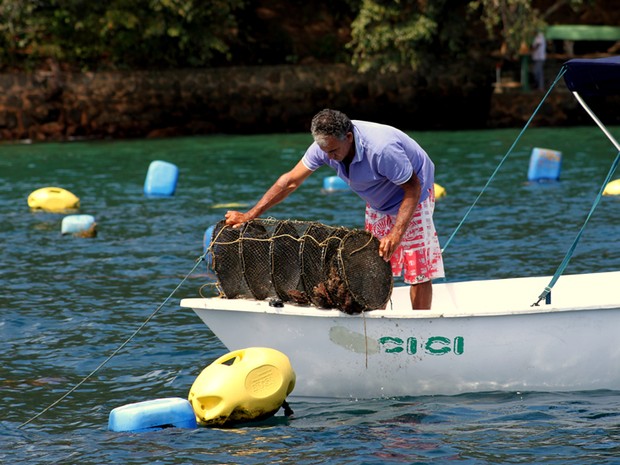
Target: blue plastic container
[[72, 224], [206, 243], [161, 179], [150, 415], [334, 183], [545, 165]]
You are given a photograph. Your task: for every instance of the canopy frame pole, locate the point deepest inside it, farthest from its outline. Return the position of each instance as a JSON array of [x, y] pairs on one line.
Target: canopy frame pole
[[546, 294], [596, 120]]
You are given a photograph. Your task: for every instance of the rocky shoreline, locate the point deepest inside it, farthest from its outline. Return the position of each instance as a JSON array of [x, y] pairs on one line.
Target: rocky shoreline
[[56, 106]]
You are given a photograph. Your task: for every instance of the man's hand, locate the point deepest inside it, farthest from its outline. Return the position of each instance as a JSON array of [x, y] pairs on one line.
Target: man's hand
[[389, 243], [387, 246], [236, 219]]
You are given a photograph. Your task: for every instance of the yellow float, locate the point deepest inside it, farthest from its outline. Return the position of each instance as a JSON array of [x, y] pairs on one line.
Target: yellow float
[[439, 191], [53, 199], [612, 188], [245, 385], [230, 205]]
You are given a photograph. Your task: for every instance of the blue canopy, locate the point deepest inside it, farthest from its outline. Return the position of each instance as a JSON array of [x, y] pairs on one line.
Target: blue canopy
[[599, 76]]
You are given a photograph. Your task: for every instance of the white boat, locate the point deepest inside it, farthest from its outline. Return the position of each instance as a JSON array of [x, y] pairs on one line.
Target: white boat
[[485, 335], [479, 336]]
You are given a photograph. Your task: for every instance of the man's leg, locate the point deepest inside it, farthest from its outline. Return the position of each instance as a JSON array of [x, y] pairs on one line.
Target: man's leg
[[421, 295]]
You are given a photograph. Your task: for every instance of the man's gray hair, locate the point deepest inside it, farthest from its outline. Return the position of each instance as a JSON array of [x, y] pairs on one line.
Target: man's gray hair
[[329, 122]]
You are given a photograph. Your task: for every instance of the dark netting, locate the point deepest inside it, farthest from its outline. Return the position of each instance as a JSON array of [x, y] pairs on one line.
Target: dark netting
[[255, 243], [359, 251], [225, 246], [302, 262], [285, 267], [311, 260], [329, 250]]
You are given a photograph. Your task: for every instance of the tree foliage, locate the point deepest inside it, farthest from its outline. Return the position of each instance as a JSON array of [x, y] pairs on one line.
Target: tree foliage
[[385, 35], [388, 35], [515, 22], [516, 19], [117, 33]]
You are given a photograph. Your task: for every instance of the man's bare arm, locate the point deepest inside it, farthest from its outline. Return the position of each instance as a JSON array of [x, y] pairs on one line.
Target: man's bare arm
[[286, 183]]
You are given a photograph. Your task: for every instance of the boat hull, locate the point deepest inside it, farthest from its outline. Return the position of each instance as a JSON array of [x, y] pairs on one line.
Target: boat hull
[[478, 337]]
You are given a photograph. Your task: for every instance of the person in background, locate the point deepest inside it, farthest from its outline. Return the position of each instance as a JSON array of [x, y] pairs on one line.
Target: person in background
[[539, 55], [392, 174]]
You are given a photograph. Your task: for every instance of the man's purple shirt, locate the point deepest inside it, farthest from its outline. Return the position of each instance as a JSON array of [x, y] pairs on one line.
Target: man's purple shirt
[[385, 157]]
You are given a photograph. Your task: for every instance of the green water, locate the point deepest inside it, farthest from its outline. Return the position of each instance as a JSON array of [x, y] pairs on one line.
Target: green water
[[67, 303]]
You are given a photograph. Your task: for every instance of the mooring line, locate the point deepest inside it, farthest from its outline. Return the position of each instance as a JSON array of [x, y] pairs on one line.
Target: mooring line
[[510, 150], [121, 347]]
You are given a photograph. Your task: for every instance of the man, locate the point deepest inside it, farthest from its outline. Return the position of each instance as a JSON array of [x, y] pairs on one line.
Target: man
[[393, 174]]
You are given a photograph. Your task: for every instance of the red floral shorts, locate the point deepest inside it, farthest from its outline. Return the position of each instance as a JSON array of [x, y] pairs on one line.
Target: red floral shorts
[[419, 253]]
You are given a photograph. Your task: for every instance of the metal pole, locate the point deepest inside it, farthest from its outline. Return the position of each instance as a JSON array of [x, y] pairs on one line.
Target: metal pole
[[596, 120]]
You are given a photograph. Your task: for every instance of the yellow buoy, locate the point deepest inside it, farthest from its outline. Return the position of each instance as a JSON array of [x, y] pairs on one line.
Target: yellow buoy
[[245, 385], [439, 191], [612, 188], [230, 205], [53, 199]]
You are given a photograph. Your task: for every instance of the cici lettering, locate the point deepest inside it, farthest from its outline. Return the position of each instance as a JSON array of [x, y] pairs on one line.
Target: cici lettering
[[434, 345]]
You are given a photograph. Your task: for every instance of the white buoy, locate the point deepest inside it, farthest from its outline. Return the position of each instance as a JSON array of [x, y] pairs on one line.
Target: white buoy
[[161, 179], [544, 165], [153, 415], [73, 224]]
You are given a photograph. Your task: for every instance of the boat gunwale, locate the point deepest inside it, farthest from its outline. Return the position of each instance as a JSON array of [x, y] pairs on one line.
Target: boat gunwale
[[450, 310], [260, 307]]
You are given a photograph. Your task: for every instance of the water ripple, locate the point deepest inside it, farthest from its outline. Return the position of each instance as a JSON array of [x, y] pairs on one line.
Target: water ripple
[[67, 303]]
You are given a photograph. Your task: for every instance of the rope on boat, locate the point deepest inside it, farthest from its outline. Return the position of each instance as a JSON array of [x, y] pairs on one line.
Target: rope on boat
[[557, 79], [115, 352]]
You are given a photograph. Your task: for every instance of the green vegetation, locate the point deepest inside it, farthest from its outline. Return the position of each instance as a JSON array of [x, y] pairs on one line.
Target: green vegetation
[[390, 35], [373, 35], [117, 33], [516, 21]]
